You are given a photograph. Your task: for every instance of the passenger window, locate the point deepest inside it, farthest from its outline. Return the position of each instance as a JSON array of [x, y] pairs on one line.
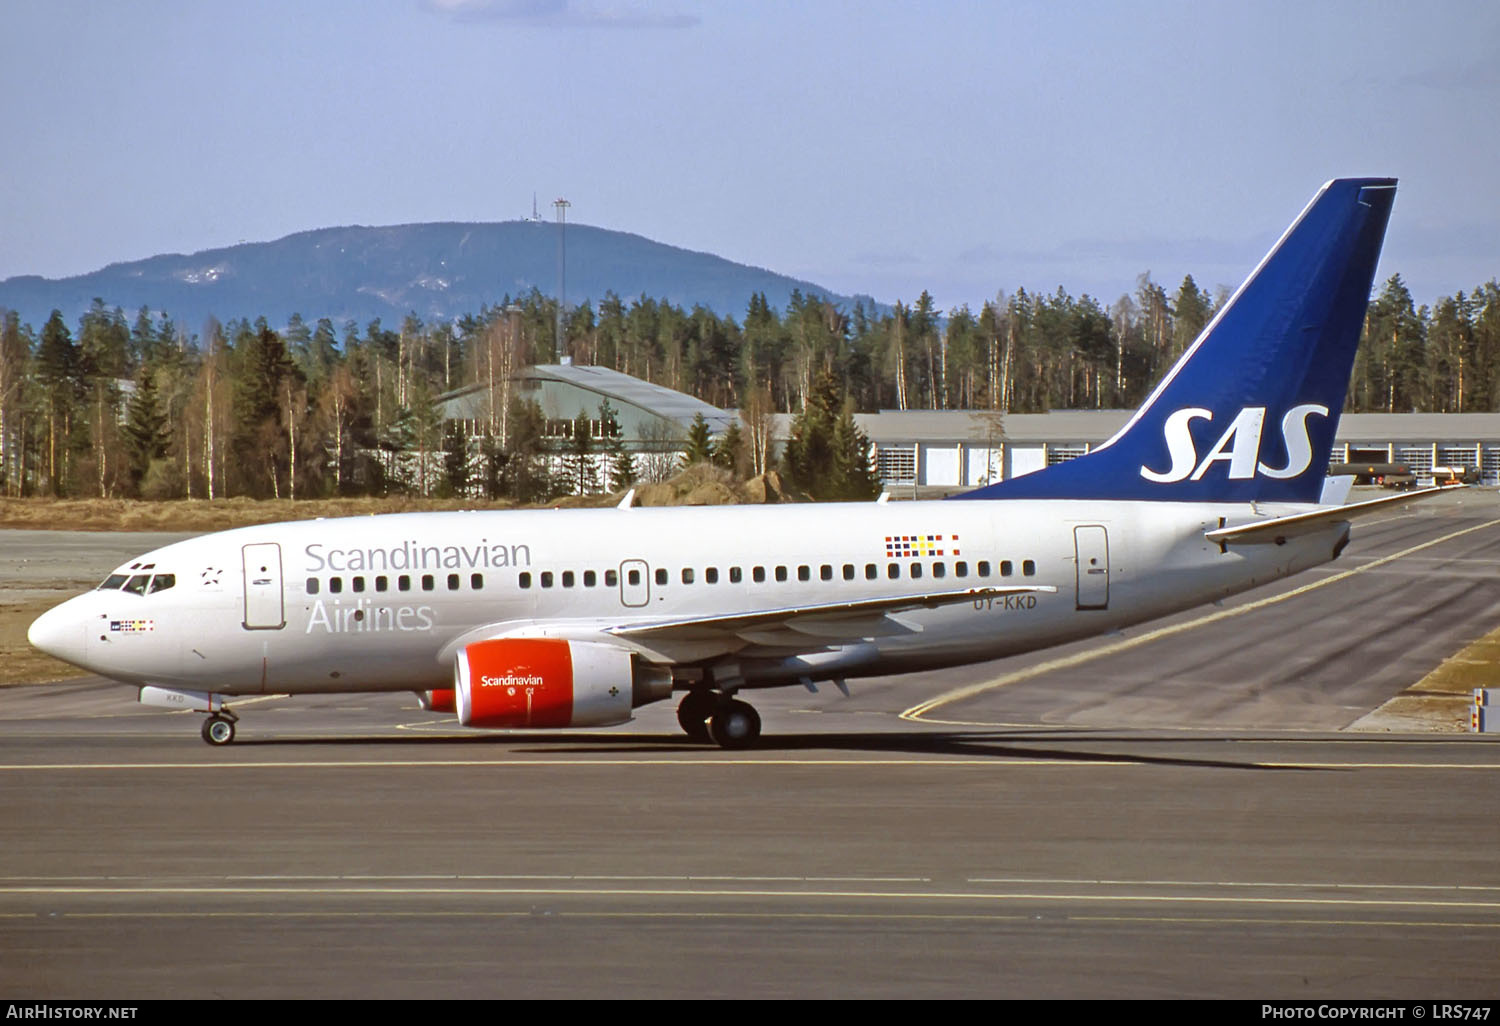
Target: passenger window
[[687, 575], [871, 571], [848, 571], [476, 581], [335, 584], [590, 578], [804, 572], [893, 570], [546, 578], [404, 582], [428, 582], [661, 576], [635, 577], [611, 578], [984, 568], [916, 571], [312, 585], [711, 575], [781, 573], [524, 580], [734, 575], [359, 584], [453, 580], [1006, 569], [758, 575], [567, 578], [939, 570], [382, 583], [825, 572], [960, 569], [1028, 568]]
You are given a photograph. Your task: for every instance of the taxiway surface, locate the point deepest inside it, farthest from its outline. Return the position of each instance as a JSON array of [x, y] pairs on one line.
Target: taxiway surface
[[1176, 811]]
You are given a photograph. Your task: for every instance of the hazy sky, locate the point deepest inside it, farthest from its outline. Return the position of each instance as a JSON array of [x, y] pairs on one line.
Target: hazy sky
[[875, 147]]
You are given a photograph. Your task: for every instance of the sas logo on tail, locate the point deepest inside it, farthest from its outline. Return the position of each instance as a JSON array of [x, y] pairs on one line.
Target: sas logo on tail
[[1238, 446]]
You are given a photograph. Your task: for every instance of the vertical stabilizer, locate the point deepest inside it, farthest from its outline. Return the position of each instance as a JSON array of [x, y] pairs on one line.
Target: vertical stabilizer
[[1250, 410]]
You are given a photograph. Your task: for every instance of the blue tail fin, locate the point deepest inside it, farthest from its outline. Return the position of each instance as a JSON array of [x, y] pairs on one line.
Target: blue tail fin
[[1250, 410]]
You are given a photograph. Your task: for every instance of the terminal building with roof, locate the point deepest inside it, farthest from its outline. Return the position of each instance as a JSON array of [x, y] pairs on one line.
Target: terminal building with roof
[[957, 449], [941, 451]]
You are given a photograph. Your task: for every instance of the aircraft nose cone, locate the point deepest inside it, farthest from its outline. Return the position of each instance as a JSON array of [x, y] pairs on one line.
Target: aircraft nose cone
[[59, 633]]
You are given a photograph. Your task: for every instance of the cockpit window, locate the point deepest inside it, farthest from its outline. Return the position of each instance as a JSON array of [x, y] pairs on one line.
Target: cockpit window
[[161, 582], [137, 584], [113, 582]]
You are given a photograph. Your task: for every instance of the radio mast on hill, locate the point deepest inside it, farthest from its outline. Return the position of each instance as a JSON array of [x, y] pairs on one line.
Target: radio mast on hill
[[561, 206]]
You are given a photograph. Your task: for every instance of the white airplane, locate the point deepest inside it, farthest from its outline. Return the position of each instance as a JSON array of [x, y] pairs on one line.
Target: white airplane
[[572, 618]]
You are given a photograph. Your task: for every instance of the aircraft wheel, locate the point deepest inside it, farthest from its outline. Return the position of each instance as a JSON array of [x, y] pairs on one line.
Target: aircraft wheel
[[734, 725], [693, 713], [218, 731]]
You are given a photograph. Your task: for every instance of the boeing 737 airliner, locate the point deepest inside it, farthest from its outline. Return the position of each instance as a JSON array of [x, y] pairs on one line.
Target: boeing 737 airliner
[[559, 618]]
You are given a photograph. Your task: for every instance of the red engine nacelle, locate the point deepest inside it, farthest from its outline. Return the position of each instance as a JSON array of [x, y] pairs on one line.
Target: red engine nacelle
[[437, 700], [544, 682]]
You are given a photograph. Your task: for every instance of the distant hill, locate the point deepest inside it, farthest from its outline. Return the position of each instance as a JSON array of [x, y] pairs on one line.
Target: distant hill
[[439, 270]]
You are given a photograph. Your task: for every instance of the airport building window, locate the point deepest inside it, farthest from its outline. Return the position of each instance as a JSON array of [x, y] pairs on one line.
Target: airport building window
[[567, 578], [453, 580], [546, 578], [312, 585], [476, 581], [336, 584], [382, 583], [524, 580], [1028, 567], [711, 575], [661, 576], [611, 578]]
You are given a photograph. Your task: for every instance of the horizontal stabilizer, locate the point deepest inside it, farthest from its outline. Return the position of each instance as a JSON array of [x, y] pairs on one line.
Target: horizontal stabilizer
[[1277, 529]]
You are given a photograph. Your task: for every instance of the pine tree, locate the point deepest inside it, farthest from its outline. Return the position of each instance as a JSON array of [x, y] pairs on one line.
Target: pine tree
[[700, 445]]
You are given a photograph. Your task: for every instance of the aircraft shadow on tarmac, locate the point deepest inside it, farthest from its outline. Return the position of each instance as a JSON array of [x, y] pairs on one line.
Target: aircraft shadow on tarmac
[[967, 745]]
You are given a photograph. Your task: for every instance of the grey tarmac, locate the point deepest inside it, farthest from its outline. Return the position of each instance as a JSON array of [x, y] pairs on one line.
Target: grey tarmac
[[1192, 815]]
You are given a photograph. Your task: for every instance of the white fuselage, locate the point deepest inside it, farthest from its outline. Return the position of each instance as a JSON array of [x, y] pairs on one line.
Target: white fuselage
[[385, 602]]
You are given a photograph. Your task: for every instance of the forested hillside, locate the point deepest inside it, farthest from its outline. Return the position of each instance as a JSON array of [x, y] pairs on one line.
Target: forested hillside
[[346, 408]]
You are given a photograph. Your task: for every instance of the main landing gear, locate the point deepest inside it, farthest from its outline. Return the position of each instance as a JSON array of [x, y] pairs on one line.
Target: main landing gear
[[218, 729], [710, 716]]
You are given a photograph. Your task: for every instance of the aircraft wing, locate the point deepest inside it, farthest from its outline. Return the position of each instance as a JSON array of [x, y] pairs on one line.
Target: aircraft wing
[[1292, 525], [855, 619]]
